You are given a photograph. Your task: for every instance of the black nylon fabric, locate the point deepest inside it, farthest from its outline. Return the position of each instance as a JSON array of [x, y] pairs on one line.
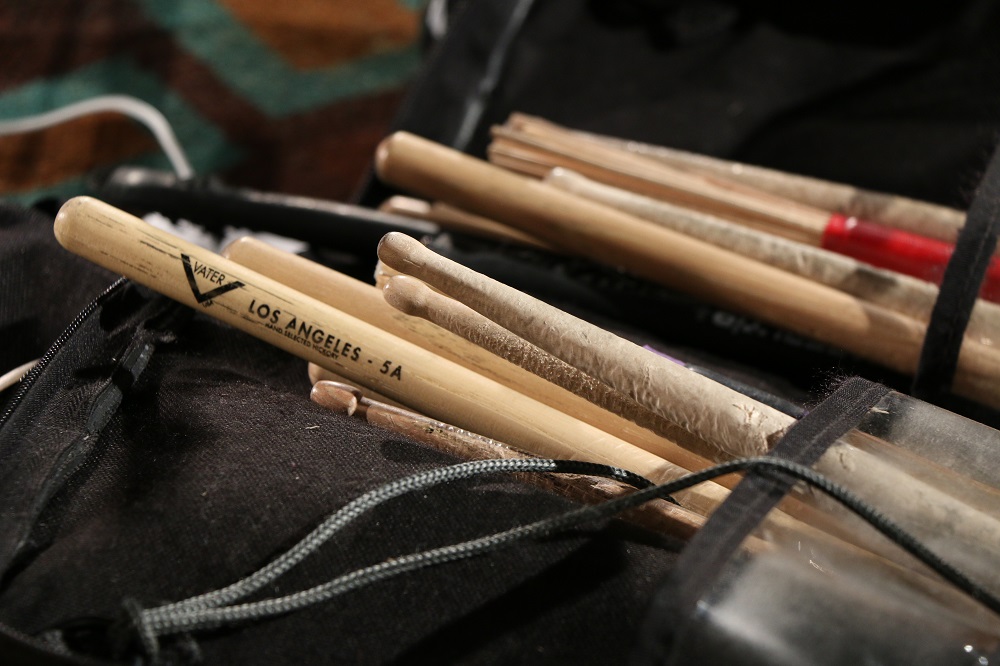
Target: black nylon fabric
[[960, 286], [707, 554]]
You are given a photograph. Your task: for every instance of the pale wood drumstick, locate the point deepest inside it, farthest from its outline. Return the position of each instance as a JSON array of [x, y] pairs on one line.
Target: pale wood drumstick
[[414, 298], [910, 296], [713, 412], [365, 302], [658, 515], [363, 353], [919, 217], [698, 268]]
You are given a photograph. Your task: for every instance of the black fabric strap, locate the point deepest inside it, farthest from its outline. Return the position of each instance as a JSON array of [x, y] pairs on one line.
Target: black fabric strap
[[706, 555], [959, 288]]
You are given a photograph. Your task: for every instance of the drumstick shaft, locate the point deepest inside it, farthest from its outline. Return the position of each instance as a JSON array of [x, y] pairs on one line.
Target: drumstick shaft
[[363, 353], [652, 177], [664, 256]]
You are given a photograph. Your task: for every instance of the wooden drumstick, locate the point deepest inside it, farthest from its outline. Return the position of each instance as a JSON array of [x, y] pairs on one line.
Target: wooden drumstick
[[919, 217], [658, 515], [365, 302], [902, 293], [363, 353], [664, 256]]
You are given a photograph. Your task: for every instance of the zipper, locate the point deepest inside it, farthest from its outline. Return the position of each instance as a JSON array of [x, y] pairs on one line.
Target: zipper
[[33, 374]]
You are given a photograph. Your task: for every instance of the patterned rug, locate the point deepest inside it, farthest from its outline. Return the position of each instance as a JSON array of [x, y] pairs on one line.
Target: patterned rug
[[290, 97]]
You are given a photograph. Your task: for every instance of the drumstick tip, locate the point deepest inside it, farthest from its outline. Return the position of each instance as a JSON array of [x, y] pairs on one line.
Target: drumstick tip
[[407, 294], [386, 149], [68, 214], [335, 396], [398, 250]]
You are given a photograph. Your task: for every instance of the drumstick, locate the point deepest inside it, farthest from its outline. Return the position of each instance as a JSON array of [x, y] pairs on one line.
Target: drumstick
[[918, 217], [363, 353], [412, 297], [735, 423], [366, 303], [880, 245], [910, 296], [658, 515], [664, 256]]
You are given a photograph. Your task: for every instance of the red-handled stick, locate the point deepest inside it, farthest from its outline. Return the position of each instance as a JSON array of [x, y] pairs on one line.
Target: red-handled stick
[[900, 251]]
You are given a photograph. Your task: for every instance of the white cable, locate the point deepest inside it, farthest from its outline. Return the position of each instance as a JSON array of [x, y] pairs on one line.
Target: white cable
[[137, 109], [8, 379]]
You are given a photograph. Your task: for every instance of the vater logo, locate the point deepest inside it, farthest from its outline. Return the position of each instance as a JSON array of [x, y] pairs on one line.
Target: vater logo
[[193, 269]]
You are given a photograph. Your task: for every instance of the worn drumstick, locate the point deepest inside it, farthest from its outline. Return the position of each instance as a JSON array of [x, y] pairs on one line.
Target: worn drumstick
[[703, 270], [910, 296], [877, 244], [735, 423], [453, 219], [918, 217], [658, 515], [366, 303], [412, 297]]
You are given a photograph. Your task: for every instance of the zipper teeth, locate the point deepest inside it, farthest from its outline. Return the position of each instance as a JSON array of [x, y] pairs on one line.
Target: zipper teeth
[[29, 379]]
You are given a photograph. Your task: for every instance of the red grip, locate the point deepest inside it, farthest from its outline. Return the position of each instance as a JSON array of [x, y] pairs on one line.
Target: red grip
[[900, 251]]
